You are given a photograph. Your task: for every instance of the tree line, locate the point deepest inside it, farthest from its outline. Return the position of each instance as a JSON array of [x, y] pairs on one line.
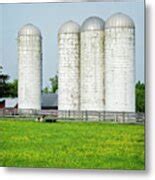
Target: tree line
[[7, 89], [140, 97], [10, 89]]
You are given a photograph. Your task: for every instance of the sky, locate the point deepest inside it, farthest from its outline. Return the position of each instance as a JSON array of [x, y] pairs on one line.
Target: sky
[[48, 17]]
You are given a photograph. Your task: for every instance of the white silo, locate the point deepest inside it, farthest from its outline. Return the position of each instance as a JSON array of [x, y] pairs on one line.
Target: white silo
[[30, 68], [92, 65], [120, 63], [69, 66]]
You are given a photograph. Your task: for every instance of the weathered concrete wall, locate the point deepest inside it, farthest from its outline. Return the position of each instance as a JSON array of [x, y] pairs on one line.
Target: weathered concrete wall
[[69, 71], [30, 67], [120, 69], [92, 85]]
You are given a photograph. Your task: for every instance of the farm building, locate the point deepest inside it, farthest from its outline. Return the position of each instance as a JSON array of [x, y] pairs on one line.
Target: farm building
[[29, 67], [92, 96], [96, 70], [107, 65], [9, 103], [69, 66], [48, 101], [120, 63]]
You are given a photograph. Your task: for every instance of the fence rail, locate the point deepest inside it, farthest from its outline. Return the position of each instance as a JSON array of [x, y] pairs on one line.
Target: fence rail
[[107, 116]]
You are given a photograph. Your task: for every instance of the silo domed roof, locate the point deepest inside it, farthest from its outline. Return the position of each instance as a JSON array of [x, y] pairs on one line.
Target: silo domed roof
[[69, 27], [119, 20], [92, 23], [29, 29]]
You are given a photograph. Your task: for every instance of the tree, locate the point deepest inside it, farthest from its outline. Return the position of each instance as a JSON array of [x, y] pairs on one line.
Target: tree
[[53, 85], [1, 69], [140, 97], [4, 88], [13, 88], [7, 89], [46, 90]]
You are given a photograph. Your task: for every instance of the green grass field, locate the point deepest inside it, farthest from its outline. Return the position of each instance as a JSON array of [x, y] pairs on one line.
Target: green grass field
[[71, 145]]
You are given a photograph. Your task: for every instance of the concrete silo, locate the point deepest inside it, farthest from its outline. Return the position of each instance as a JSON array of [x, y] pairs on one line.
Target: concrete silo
[[30, 68], [120, 63], [92, 65], [69, 66]]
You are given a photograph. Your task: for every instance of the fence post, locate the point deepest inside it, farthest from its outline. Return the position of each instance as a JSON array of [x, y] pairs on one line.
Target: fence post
[[3, 112], [123, 117], [137, 117], [81, 115], [99, 114], [68, 114], [86, 115], [65, 114], [115, 117]]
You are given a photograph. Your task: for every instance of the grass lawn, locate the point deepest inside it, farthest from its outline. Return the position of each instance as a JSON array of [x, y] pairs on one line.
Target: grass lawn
[[71, 145]]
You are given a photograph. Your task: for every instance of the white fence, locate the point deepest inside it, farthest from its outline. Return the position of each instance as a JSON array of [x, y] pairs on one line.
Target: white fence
[[121, 117]]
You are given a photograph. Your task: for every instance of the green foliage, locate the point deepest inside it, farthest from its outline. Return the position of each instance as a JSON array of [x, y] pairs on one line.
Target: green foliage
[[4, 88], [13, 88], [140, 97], [7, 89], [71, 145], [46, 90], [53, 85], [1, 69]]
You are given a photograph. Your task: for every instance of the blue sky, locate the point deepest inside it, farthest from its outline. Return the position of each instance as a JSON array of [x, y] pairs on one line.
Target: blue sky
[[48, 17]]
